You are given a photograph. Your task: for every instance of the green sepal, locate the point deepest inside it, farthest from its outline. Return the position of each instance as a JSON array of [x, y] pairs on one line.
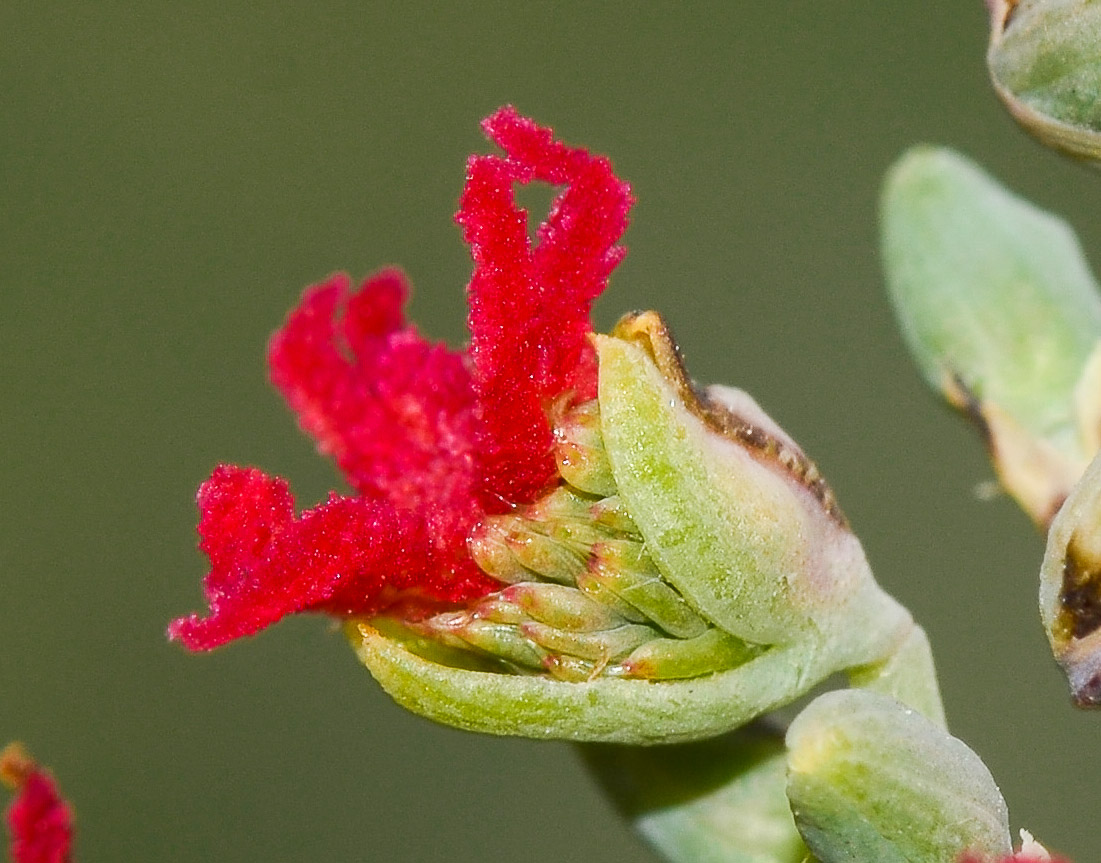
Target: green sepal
[[1045, 63], [872, 780], [730, 526], [716, 801], [603, 709], [1001, 313]]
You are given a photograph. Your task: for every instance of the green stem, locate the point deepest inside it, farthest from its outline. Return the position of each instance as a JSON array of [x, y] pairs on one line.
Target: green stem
[[907, 674], [714, 801], [724, 800]]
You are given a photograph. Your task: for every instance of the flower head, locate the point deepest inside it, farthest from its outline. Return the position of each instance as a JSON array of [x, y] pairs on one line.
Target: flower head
[[430, 439], [39, 820], [549, 522]]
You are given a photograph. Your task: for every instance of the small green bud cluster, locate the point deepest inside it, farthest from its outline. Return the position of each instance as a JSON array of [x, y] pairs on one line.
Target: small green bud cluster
[[585, 599]]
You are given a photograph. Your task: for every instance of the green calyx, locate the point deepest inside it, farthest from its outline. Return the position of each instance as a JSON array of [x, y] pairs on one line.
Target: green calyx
[[692, 571], [1045, 62], [1001, 313]]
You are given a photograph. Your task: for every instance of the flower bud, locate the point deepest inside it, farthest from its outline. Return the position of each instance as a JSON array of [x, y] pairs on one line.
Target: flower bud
[[1045, 66], [870, 779], [1001, 313], [690, 572], [1070, 588]]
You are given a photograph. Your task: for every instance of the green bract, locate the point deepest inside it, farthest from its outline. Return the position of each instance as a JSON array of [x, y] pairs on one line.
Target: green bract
[[691, 572], [1045, 62], [872, 780], [1002, 314]]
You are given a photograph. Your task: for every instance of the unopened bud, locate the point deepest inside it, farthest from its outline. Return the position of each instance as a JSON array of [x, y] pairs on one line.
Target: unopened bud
[[601, 646], [1002, 315], [1045, 66], [513, 549], [870, 779], [685, 658], [626, 570], [579, 451], [561, 607], [1070, 588]]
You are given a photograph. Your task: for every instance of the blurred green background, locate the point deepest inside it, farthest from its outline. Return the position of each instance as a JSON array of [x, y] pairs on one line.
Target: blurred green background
[[172, 175]]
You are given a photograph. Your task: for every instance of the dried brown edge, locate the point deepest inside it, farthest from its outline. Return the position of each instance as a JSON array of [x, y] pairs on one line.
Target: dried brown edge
[[650, 331], [963, 398], [1001, 13], [1080, 594]]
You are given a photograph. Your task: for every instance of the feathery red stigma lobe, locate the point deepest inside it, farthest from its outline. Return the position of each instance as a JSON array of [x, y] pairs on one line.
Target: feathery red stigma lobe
[[430, 439]]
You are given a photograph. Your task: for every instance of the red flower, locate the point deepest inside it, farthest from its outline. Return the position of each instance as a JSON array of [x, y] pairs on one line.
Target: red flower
[[430, 439], [1020, 857], [39, 820]]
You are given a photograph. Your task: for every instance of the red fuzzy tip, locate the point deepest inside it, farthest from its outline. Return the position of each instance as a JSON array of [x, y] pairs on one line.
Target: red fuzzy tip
[[397, 413], [529, 307], [430, 439], [346, 556], [39, 820], [1019, 857]]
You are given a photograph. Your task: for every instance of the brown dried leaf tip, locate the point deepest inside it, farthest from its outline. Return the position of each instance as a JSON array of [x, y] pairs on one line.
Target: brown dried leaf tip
[[729, 412]]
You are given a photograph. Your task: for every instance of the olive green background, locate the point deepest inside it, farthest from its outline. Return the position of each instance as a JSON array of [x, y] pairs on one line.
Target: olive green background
[[172, 175]]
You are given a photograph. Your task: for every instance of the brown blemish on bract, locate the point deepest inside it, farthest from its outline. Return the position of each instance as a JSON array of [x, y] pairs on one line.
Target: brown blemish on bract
[[1080, 595], [651, 332], [963, 398]]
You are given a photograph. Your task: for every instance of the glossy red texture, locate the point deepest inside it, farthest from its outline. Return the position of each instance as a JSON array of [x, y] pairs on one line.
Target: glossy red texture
[[430, 439], [39, 821]]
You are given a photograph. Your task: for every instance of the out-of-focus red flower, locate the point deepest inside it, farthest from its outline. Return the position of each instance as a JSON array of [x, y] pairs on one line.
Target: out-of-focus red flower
[[39, 821], [430, 439], [1019, 857]]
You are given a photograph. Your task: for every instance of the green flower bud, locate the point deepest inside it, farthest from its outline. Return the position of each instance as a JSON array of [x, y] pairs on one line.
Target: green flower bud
[[1070, 588], [1002, 314], [1045, 62], [691, 572], [870, 779]]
